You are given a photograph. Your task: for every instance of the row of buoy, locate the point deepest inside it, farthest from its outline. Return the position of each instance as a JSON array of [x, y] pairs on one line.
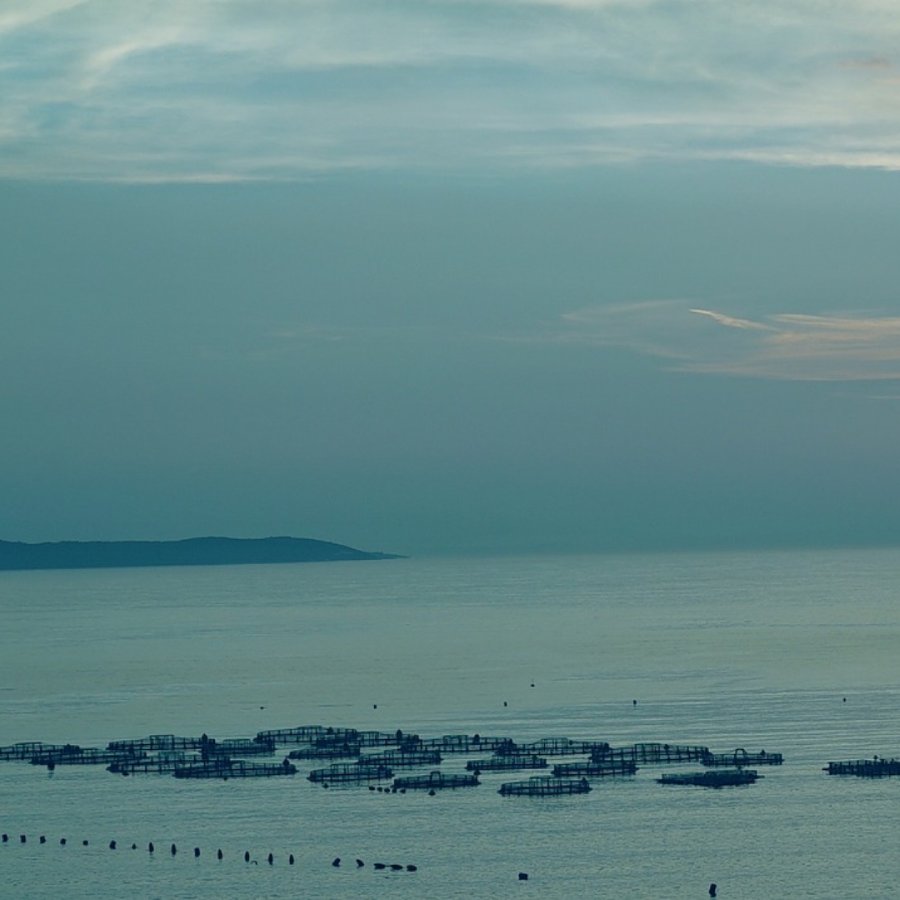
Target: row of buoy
[[394, 867], [270, 858]]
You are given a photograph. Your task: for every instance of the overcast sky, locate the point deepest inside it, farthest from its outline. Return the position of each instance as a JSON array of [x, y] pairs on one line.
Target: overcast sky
[[444, 277]]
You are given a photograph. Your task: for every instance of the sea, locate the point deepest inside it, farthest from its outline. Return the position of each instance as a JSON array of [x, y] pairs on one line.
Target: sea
[[794, 652]]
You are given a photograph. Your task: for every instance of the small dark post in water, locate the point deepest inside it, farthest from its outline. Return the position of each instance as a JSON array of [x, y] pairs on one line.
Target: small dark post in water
[[23, 838], [42, 839], [412, 868], [196, 852], [62, 842], [712, 889], [174, 849], [336, 861], [219, 854], [523, 876], [84, 843], [634, 702], [5, 838], [359, 864], [270, 858], [112, 845], [246, 856], [134, 846], [291, 859], [380, 865], [150, 847], [505, 703]]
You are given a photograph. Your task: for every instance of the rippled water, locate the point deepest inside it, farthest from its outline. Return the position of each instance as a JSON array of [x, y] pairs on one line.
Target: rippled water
[[753, 650]]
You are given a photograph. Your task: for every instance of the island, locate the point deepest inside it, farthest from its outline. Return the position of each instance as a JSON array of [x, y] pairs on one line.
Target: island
[[199, 551]]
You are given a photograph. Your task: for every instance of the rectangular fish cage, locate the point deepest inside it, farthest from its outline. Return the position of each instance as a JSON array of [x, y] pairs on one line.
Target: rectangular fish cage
[[157, 742], [301, 734], [658, 754], [465, 743], [27, 750], [336, 736], [865, 768], [507, 762], [714, 779], [165, 763], [331, 751], [238, 747], [82, 756], [603, 769], [544, 787], [350, 773], [435, 781], [401, 759], [233, 768], [563, 746], [386, 738], [740, 758]]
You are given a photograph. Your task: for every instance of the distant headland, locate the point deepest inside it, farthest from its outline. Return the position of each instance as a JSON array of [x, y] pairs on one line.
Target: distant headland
[[200, 551]]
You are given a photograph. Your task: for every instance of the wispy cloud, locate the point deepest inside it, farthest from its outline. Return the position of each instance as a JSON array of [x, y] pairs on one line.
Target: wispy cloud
[[220, 89], [786, 346]]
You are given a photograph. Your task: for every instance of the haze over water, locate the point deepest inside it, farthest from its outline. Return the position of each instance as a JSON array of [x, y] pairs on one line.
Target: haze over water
[[754, 650]]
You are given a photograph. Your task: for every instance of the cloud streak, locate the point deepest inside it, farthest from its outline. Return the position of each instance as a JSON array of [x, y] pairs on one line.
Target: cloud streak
[[219, 91], [783, 346]]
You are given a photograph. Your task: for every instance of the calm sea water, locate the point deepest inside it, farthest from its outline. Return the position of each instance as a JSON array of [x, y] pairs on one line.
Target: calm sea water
[[756, 650]]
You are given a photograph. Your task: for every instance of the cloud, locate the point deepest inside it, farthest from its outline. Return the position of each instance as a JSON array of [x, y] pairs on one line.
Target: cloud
[[220, 90], [785, 346]]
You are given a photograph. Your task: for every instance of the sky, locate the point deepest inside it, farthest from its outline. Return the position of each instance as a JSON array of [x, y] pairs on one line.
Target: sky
[[449, 277]]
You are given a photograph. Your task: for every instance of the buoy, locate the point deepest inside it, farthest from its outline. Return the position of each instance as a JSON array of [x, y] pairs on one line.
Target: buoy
[[712, 890], [412, 868], [134, 846], [634, 702], [196, 852], [505, 703], [336, 861], [523, 876], [5, 838], [84, 843], [374, 706], [42, 839], [112, 845], [22, 838], [62, 842], [532, 684]]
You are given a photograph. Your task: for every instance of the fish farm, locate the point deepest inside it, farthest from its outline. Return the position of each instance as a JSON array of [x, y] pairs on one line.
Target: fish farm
[[364, 758], [865, 768], [435, 781], [545, 787], [717, 778]]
